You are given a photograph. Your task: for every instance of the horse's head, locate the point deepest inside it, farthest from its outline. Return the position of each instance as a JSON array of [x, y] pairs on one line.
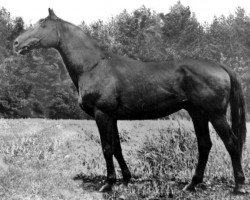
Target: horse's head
[[44, 35]]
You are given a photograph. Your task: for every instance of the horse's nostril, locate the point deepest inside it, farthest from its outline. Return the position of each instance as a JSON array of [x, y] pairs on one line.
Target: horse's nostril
[[16, 43]]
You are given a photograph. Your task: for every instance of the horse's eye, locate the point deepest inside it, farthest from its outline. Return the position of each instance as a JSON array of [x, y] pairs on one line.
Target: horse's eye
[[41, 22], [43, 25]]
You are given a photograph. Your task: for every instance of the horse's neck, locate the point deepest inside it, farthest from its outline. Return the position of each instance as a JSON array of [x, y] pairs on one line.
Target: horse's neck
[[78, 52]]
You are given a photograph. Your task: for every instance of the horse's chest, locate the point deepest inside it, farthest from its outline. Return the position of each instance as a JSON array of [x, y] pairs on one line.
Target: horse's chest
[[87, 100], [96, 92]]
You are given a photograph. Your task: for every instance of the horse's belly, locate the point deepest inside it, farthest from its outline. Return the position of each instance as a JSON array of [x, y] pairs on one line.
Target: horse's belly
[[149, 110]]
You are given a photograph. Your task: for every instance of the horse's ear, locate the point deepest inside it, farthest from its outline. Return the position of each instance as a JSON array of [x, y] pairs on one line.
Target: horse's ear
[[52, 15]]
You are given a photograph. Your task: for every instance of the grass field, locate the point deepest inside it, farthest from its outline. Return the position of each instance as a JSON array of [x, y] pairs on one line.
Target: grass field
[[62, 159]]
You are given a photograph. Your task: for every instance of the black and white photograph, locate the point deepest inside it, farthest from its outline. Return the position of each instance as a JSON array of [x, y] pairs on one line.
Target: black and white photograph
[[124, 100]]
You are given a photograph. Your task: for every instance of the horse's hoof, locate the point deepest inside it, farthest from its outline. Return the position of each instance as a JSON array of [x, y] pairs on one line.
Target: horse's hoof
[[240, 190], [189, 188], [106, 188]]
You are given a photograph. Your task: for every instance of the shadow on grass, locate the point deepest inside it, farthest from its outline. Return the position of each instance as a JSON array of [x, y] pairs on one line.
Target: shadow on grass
[[215, 189], [95, 182], [90, 183]]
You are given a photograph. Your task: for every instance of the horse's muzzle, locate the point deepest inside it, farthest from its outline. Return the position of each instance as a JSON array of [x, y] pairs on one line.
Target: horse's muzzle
[[25, 47]]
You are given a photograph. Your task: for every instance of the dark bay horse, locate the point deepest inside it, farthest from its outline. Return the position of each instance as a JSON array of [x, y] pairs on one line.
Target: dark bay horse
[[113, 87]]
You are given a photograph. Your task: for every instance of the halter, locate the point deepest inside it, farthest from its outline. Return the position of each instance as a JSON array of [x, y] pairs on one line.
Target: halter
[[46, 35]]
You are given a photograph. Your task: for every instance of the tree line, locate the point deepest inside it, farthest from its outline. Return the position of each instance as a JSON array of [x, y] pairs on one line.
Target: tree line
[[37, 84]]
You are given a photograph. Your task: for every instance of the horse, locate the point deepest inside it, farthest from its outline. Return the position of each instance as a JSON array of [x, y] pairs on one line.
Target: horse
[[113, 87]]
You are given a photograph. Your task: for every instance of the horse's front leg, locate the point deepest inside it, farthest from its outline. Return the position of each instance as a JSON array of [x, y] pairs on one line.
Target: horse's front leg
[[118, 155], [106, 130]]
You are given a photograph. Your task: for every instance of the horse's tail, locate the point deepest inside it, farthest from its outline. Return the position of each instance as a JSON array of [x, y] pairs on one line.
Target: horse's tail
[[237, 104]]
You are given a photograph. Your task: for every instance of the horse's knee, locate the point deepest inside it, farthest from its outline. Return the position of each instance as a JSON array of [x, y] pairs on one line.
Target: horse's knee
[[205, 145], [107, 150], [208, 145]]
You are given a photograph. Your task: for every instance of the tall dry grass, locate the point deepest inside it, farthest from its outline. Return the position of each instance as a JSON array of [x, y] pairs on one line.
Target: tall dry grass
[[49, 159]]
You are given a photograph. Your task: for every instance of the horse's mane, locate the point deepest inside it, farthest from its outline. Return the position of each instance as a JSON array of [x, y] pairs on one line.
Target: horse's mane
[[65, 26]]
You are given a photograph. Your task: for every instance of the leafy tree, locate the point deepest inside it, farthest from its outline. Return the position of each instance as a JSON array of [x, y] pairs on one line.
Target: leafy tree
[[15, 90], [64, 106], [183, 34]]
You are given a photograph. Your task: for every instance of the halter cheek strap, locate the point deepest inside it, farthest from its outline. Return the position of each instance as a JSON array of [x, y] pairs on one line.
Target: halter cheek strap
[[58, 36]]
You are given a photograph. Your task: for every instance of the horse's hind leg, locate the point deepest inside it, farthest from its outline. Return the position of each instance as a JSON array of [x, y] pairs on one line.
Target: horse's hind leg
[[204, 145], [230, 141]]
